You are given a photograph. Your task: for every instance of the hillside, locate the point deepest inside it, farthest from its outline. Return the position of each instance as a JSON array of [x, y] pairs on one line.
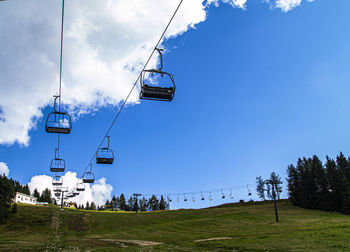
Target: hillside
[[238, 227]]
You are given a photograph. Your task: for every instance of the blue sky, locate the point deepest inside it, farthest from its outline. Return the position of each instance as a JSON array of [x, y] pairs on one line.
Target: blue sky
[[256, 89]]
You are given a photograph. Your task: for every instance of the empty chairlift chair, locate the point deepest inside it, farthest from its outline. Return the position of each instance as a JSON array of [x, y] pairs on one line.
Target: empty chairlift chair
[[105, 155], [231, 196], [249, 193], [58, 122], [165, 89], [57, 180], [80, 187], [57, 164], [57, 189], [222, 194], [88, 176]]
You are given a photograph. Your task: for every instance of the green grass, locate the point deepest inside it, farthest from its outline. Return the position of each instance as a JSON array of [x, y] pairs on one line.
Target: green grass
[[250, 227]]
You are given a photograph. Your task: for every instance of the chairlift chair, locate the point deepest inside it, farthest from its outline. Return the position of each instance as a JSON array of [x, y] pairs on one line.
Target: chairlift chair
[[57, 164], [185, 199], [57, 189], [89, 176], [169, 199], [222, 194], [210, 198], [202, 197], [75, 193], [57, 180], [57, 194], [177, 199], [105, 155], [151, 92], [58, 122], [193, 198], [249, 193], [231, 197], [80, 187]]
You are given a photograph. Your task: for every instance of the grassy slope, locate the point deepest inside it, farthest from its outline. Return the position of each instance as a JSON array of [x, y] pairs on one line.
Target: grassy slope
[[251, 227]]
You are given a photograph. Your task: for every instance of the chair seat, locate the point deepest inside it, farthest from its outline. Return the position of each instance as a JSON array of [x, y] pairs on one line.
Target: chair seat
[[157, 93], [53, 169], [58, 130], [100, 160], [88, 180]]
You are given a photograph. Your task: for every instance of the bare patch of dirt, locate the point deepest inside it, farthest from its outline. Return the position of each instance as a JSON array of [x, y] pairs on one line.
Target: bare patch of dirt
[[134, 242], [214, 239], [79, 223]]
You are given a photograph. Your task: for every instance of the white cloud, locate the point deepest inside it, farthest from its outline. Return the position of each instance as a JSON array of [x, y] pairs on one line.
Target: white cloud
[[99, 192], [105, 45], [286, 5], [233, 3], [4, 169]]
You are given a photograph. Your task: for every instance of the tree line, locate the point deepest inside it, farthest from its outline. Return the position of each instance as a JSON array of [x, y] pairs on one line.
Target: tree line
[[137, 204], [45, 196], [314, 185], [8, 189], [132, 204]]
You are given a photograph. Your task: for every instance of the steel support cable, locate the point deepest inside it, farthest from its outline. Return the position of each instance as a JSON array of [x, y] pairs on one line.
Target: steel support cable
[[224, 189], [134, 85], [60, 82]]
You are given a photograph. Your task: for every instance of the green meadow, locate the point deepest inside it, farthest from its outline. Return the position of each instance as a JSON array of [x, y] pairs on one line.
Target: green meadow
[[230, 227]]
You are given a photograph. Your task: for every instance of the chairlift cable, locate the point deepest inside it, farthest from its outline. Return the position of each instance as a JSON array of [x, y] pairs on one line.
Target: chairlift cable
[[228, 189], [60, 82], [139, 76]]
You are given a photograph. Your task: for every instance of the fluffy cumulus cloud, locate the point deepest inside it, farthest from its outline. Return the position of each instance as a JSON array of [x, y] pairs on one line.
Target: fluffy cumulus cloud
[[286, 5], [4, 169], [99, 192], [105, 45]]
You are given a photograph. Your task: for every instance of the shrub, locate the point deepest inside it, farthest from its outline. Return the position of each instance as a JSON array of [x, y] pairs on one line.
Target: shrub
[[14, 208]]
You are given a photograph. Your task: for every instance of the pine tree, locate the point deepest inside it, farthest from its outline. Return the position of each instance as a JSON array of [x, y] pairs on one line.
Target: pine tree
[[260, 184], [46, 196], [135, 206], [92, 206], [26, 190], [130, 203], [162, 203], [293, 185], [36, 194], [87, 207], [122, 203], [277, 181], [143, 204], [153, 203], [6, 196], [117, 203]]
